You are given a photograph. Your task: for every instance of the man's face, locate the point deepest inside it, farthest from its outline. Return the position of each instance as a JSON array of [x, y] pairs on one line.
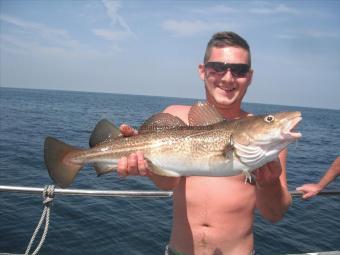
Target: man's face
[[225, 89]]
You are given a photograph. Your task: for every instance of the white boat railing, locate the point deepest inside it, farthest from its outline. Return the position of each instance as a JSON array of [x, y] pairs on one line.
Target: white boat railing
[[121, 193], [89, 192]]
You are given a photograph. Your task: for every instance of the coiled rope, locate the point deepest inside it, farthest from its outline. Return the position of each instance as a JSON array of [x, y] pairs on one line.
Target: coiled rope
[[48, 196]]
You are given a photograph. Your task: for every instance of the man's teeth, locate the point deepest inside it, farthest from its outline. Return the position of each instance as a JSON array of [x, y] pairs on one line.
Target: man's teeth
[[228, 89]]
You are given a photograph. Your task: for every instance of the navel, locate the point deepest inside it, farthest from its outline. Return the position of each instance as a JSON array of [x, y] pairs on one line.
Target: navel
[[207, 225]]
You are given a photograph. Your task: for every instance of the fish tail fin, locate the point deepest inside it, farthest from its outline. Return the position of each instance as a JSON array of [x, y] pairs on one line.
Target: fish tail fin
[[61, 170]]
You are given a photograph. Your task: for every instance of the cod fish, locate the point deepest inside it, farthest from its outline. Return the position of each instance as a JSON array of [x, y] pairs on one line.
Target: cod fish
[[208, 146]]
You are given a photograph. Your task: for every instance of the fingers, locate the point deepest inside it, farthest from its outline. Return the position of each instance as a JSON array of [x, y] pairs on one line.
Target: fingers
[[268, 174], [127, 130], [127, 165], [132, 167], [134, 164], [307, 196], [306, 193], [142, 164], [122, 166], [274, 164], [300, 188]]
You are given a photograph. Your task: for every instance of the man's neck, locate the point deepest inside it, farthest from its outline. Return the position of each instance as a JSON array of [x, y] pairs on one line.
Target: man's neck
[[230, 112]]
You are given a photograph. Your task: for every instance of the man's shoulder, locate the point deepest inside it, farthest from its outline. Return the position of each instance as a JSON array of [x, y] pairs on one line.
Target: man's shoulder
[[180, 111], [177, 108]]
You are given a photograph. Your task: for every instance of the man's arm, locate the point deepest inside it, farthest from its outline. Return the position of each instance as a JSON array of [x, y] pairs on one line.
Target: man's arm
[[272, 196], [310, 190]]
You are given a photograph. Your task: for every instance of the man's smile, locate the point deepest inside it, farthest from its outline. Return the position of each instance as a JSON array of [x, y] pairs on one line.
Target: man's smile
[[227, 89]]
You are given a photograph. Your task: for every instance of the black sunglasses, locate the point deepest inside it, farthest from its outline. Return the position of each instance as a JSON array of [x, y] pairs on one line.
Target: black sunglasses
[[237, 70]]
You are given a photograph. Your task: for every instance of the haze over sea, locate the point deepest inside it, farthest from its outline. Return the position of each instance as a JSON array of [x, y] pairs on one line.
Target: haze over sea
[[88, 225]]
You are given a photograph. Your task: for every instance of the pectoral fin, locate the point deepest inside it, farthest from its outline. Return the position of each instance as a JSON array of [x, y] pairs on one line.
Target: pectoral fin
[[249, 155]]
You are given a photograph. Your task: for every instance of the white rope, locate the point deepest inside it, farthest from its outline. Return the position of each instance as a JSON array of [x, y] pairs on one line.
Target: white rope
[[48, 195]]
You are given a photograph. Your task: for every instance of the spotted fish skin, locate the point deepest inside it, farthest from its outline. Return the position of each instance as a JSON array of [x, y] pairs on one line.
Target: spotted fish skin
[[208, 146]]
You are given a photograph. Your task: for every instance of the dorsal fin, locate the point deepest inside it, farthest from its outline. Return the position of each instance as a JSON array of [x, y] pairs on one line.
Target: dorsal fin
[[161, 121], [104, 130], [203, 114]]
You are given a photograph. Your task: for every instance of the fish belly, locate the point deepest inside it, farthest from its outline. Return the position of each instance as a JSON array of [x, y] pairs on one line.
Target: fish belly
[[193, 166]]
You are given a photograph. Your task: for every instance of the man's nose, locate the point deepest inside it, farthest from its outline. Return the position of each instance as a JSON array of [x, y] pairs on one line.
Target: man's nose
[[228, 76]]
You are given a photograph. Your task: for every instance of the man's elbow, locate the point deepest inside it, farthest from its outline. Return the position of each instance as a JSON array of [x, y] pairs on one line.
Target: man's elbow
[[275, 216]]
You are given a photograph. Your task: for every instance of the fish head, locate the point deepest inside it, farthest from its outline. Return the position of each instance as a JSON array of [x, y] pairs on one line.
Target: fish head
[[264, 136]]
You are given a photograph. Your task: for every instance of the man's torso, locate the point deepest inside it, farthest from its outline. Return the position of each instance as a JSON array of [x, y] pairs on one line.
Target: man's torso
[[213, 215]]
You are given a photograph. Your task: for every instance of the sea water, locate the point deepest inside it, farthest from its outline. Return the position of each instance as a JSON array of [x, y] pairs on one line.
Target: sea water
[[111, 225]]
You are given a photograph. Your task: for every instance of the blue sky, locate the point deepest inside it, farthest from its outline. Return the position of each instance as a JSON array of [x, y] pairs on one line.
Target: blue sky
[[154, 47]]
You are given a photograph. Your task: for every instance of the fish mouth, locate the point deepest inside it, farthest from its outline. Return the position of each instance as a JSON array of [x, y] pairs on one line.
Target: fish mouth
[[292, 123]]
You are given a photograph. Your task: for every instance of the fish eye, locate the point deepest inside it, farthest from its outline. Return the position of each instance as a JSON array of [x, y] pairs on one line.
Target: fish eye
[[269, 118]]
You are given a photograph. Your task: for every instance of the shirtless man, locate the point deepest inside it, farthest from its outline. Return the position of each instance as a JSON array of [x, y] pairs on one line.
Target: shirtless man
[[214, 215]]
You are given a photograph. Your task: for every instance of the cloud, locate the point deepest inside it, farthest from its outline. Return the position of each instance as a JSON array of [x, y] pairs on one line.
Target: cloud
[[277, 9], [118, 29], [48, 33], [185, 27], [286, 36], [111, 35], [216, 9], [321, 34], [38, 38], [32, 37], [309, 34], [259, 8], [221, 16], [112, 11]]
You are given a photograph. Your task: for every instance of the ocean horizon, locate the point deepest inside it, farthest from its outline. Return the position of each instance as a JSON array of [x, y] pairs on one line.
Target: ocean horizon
[[162, 96]]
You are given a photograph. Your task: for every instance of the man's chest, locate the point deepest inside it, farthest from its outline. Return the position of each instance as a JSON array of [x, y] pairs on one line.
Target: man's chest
[[220, 194]]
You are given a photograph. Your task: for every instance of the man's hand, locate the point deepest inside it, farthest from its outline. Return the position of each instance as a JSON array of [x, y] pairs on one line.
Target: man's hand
[[268, 174], [272, 196], [134, 164], [309, 190], [127, 130]]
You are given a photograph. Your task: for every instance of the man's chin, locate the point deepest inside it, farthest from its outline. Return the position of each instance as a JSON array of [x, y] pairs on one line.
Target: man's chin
[[225, 98]]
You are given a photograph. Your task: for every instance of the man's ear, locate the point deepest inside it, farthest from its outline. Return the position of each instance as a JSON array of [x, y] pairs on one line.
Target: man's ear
[[251, 72], [201, 72]]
